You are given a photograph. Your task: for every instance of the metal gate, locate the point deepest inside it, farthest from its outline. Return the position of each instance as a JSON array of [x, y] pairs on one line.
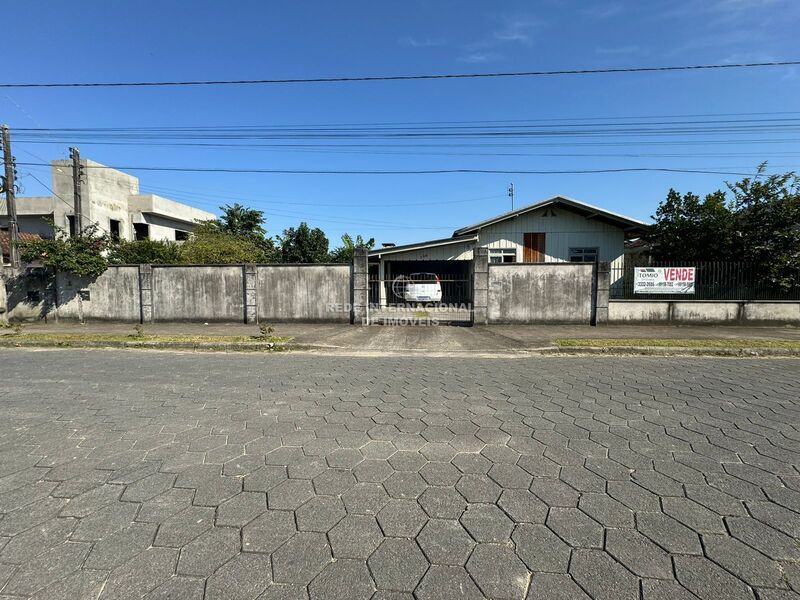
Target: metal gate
[[390, 304]]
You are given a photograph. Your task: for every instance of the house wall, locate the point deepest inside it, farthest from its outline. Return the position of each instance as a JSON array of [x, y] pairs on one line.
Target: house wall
[[540, 293], [562, 228], [104, 194]]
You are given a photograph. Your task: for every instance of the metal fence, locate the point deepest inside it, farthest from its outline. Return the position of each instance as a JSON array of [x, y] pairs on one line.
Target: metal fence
[[714, 280], [454, 292]]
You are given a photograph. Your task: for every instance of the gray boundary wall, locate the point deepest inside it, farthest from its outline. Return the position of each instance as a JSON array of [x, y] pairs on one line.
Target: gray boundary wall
[[303, 292], [205, 293], [708, 312], [541, 293]]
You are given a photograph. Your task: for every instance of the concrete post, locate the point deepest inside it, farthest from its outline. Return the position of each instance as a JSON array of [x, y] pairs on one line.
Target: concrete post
[[480, 286], [146, 293], [602, 292], [3, 296], [250, 294], [360, 285]]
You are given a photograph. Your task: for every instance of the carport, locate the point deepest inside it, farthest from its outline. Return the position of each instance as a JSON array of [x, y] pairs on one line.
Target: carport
[[449, 259]]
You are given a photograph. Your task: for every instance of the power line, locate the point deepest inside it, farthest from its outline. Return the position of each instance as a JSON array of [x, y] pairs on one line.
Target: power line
[[368, 78], [406, 172]]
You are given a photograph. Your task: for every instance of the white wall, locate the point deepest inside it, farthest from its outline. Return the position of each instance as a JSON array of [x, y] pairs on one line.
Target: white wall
[[562, 228]]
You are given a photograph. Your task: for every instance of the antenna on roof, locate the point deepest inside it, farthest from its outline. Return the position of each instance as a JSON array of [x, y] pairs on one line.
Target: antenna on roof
[[511, 194]]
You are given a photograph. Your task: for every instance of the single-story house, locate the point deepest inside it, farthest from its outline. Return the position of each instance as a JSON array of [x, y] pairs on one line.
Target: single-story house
[[558, 229]]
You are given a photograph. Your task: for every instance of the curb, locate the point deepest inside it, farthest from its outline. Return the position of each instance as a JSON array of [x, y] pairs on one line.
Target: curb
[[210, 346], [671, 351], [333, 350]]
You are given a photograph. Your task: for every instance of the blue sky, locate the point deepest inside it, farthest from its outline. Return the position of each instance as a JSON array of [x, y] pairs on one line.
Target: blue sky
[[157, 40]]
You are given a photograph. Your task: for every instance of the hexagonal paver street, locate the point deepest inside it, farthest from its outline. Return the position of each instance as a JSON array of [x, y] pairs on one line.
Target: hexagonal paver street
[[127, 474]]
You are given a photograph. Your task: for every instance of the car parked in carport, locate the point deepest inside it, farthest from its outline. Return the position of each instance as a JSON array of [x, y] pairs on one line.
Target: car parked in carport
[[419, 287]]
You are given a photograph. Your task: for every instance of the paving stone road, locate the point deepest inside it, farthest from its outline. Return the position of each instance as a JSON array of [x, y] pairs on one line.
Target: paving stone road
[[127, 474]]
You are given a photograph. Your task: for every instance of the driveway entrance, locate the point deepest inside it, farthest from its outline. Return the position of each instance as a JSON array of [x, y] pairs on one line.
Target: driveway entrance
[[447, 299]]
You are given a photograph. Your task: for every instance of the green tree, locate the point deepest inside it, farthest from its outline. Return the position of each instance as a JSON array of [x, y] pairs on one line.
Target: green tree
[[344, 253], [760, 224], [303, 245], [688, 228], [240, 220], [83, 255], [209, 245], [768, 224], [156, 252], [247, 223]]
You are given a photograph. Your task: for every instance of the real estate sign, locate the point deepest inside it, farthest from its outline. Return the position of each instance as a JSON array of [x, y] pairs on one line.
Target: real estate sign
[[663, 280]]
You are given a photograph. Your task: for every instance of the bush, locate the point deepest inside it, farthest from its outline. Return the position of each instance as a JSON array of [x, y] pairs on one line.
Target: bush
[[154, 252], [82, 255]]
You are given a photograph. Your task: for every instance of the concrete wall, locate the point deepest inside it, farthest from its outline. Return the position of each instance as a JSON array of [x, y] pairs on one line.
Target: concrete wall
[[699, 313], [541, 293], [198, 293], [303, 292], [114, 296], [183, 293]]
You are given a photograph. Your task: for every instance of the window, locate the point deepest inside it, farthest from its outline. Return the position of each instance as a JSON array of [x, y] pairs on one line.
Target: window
[[113, 228], [141, 231], [181, 236], [71, 223], [583, 255], [502, 255]]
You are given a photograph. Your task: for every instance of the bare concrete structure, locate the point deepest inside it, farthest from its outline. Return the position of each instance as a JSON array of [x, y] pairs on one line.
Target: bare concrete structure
[[111, 200]]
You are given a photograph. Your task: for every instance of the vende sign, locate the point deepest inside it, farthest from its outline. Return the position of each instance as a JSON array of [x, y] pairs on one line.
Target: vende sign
[[663, 280]]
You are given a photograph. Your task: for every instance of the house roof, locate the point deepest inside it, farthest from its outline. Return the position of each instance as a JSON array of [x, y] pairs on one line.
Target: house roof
[[587, 210], [428, 244], [23, 237]]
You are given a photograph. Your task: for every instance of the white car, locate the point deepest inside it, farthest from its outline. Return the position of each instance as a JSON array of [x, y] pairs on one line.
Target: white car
[[419, 287]]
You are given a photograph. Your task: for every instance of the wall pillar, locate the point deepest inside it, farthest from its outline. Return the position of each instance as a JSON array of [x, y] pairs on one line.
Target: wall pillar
[[360, 284], [602, 287], [480, 286], [3, 296], [146, 293], [250, 294]]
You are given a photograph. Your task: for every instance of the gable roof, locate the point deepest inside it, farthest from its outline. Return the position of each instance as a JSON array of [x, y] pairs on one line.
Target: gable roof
[[587, 210], [420, 245]]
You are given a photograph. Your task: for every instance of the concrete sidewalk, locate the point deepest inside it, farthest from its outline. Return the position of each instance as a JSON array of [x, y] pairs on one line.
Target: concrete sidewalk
[[430, 339]]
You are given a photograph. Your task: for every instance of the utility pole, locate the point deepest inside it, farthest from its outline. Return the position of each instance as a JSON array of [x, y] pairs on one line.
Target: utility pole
[[11, 200], [511, 194], [75, 155]]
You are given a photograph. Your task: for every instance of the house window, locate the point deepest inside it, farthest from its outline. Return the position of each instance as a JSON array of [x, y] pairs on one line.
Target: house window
[[114, 228], [141, 231], [583, 255], [71, 223], [502, 255], [181, 236]]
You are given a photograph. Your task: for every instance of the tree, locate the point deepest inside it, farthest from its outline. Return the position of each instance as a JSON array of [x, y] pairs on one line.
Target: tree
[[209, 245], [83, 255], [344, 253], [687, 228], [304, 245], [760, 224], [768, 224], [242, 221], [156, 252]]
